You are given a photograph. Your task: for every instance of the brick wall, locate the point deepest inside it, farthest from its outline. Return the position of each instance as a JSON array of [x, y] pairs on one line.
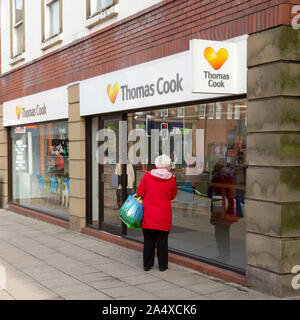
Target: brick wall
[[158, 31]]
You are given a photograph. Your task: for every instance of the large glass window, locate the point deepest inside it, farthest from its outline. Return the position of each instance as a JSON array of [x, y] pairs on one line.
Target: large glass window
[[208, 212], [40, 167]]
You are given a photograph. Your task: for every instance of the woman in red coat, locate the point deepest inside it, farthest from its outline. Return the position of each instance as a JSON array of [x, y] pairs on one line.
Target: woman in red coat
[[157, 188]]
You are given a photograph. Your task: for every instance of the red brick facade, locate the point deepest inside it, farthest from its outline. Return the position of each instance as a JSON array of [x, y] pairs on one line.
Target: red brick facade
[[157, 31]]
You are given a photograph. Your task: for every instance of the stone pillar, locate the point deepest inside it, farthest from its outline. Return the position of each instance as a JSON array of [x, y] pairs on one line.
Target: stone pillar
[[76, 161], [273, 175], [3, 162]]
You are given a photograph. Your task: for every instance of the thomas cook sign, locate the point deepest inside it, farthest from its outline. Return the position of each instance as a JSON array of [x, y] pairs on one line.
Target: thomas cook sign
[[40, 107], [209, 70], [219, 67], [160, 87]]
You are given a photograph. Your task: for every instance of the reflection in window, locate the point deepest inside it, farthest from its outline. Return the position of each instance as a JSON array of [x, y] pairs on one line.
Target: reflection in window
[[40, 167], [202, 111], [208, 212], [236, 112], [164, 113], [180, 112], [218, 111], [229, 111], [211, 111]]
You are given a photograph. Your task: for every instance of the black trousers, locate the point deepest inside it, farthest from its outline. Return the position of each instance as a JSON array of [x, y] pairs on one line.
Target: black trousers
[[151, 238]]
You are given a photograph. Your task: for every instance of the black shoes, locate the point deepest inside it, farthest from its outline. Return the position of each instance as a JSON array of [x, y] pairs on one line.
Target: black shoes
[[163, 269], [160, 268], [147, 268]]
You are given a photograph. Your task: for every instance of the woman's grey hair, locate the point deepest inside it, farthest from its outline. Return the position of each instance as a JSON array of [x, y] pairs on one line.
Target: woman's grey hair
[[163, 161]]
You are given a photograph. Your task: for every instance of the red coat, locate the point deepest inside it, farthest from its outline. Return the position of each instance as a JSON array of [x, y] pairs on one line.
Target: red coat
[[157, 194]]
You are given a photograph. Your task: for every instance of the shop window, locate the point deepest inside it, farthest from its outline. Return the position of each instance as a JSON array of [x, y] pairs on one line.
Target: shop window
[[40, 167], [209, 210], [17, 41], [51, 21]]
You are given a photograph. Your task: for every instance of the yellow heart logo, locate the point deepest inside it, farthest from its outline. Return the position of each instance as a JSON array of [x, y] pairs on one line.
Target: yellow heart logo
[[113, 92], [216, 60], [18, 112]]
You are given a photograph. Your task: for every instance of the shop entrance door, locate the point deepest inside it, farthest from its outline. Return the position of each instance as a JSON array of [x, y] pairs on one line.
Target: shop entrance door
[[112, 182]]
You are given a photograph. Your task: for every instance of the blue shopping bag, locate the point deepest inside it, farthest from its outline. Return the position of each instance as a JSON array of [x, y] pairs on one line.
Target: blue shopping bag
[[131, 212]]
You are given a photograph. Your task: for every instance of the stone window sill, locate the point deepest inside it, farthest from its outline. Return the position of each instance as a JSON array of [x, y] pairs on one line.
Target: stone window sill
[[102, 16], [51, 42], [17, 59]]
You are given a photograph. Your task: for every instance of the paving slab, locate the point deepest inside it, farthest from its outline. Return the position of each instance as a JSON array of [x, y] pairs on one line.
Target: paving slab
[[5, 296], [206, 288], [158, 286], [138, 280], [144, 296], [92, 277], [123, 292], [39, 272], [68, 289], [58, 282], [89, 295], [108, 283], [175, 294], [29, 291], [82, 270], [234, 294]]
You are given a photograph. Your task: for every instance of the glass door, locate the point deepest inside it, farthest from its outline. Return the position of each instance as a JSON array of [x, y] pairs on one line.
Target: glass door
[[112, 182]]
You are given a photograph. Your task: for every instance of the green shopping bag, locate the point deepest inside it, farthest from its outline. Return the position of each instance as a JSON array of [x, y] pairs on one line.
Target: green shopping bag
[[131, 212]]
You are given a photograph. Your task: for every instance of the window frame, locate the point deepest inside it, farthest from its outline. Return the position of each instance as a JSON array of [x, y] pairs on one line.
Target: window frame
[[237, 112], [181, 112], [229, 111], [218, 111], [211, 107], [202, 111], [11, 201], [88, 8], [164, 113], [15, 13], [46, 4], [14, 25]]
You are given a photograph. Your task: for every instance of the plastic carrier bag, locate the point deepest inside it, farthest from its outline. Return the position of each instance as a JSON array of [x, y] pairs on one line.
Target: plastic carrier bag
[[131, 212]]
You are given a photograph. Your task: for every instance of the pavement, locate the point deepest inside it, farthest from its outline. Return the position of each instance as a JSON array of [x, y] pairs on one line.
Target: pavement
[[41, 261]]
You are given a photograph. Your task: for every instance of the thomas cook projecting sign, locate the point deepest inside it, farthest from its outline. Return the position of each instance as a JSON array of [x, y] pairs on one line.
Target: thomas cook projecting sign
[[219, 67]]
